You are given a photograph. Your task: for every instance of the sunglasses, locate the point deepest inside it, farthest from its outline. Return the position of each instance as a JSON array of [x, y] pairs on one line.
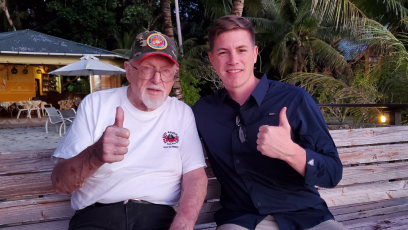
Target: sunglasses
[[242, 132]]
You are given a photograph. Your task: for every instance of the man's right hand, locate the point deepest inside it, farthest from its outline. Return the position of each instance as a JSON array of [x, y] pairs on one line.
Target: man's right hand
[[112, 146]]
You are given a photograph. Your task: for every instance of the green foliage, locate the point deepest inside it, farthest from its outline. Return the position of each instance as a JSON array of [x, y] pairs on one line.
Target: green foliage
[[190, 85], [139, 16], [81, 86], [90, 22]]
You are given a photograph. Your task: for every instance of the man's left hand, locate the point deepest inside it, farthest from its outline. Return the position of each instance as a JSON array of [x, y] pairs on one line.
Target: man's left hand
[[275, 141]]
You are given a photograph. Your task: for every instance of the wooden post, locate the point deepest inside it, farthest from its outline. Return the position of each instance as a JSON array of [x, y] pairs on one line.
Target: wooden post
[[394, 116]]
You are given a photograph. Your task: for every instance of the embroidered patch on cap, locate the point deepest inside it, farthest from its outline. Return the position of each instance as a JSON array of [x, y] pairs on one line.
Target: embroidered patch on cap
[[157, 41]]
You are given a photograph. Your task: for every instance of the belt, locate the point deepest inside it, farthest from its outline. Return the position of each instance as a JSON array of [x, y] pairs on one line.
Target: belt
[[137, 201]]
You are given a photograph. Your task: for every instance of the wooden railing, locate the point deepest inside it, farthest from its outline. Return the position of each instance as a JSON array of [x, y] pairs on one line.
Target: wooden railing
[[394, 110]]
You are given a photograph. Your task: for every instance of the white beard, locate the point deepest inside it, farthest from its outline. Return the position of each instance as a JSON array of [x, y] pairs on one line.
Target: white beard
[[153, 103]]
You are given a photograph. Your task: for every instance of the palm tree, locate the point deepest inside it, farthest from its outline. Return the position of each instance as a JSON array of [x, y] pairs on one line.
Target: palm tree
[[219, 8], [355, 21], [3, 6], [237, 7], [168, 30], [307, 38]]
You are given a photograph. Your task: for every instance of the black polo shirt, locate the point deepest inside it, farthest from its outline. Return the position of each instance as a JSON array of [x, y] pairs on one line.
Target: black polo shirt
[[253, 185]]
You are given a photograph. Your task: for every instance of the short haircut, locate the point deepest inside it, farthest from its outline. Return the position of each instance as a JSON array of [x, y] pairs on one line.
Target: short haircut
[[228, 23]]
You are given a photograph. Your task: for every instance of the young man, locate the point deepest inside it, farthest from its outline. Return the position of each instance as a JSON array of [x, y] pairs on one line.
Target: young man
[[129, 148], [267, 141]]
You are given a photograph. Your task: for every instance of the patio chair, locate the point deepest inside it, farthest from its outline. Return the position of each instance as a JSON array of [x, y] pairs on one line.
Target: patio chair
[[67, 116], [53, 117], [43, 104], [23, 106], [34, 105]]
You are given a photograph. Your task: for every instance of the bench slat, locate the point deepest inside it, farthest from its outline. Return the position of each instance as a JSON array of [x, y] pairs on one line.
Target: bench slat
[[40, 209], [373, 212], [394, 221], [25, 184], [369, 136], [371, 154], [54, 225], [213, 189], [339, 210], [26, 161], [40, 183], [371, 173], [364, 193]]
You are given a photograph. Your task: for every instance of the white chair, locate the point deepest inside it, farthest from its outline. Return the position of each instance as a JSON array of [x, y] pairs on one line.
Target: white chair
[[23, 106], [67, 116], [53, 117], [34, 105]]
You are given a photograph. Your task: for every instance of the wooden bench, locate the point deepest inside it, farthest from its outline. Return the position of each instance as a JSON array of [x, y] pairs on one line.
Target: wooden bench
[[373, 193]]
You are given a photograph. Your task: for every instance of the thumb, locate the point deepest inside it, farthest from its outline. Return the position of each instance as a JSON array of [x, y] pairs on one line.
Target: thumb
[[283, 119], [120, 117]]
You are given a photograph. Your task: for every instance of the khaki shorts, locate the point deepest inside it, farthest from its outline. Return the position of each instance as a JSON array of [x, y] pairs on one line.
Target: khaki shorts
[[269, 223]]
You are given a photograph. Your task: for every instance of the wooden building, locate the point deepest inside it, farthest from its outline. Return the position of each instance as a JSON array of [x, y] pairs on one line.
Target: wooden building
[[27, 56]]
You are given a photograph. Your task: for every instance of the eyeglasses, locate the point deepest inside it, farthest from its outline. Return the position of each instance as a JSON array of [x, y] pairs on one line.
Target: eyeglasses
[[242, 132], [148, 72]]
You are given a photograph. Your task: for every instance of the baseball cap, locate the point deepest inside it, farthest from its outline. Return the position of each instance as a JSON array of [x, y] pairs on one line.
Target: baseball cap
[[152, 43]]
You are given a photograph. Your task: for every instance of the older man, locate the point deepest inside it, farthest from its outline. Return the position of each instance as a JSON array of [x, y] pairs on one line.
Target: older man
[[129, 148], [268, 143]]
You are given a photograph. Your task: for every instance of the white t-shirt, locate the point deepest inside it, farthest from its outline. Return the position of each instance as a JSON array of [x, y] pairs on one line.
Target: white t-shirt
[[164, 145]]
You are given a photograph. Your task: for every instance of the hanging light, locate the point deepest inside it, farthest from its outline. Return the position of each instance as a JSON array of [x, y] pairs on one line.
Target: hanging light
[[79, 79], [14, 70], [25, 70]]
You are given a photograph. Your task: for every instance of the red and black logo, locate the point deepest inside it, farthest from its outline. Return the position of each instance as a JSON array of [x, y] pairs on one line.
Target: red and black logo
[[170, 138]]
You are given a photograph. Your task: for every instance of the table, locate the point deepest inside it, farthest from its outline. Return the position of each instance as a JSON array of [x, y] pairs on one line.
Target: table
[[27, 105]]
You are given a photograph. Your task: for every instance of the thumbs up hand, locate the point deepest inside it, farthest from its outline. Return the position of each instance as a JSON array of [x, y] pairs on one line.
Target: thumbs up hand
[[112, 146], [275, 141]]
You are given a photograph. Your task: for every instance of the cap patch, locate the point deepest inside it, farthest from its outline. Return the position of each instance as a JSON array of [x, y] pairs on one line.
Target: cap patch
[[157, 41]]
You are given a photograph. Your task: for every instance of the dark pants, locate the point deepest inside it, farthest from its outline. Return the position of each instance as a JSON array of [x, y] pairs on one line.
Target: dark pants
[[120, 216]]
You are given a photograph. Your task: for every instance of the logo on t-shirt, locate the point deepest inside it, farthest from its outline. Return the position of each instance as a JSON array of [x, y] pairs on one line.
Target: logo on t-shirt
[[170, 138]]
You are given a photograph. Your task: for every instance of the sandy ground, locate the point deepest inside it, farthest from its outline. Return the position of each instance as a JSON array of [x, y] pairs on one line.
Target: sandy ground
[[18, 139]]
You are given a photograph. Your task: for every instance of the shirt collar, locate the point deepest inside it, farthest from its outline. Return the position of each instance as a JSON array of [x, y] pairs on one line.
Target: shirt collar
[[258, 93], [261, 89]]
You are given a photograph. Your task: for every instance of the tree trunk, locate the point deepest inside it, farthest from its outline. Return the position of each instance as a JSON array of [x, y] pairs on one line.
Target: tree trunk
[[168, 30], [166, 12], [3, 6], [237, 7]]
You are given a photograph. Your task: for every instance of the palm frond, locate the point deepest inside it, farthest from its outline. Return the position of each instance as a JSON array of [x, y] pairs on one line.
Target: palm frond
[[330, 90], [341, 13], [332, 58], [217, 8], [125, 52]]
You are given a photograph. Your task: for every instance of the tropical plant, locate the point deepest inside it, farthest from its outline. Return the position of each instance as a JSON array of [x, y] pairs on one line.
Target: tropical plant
[[198, 64], [306, 39], [124, 42], [90, 22]]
